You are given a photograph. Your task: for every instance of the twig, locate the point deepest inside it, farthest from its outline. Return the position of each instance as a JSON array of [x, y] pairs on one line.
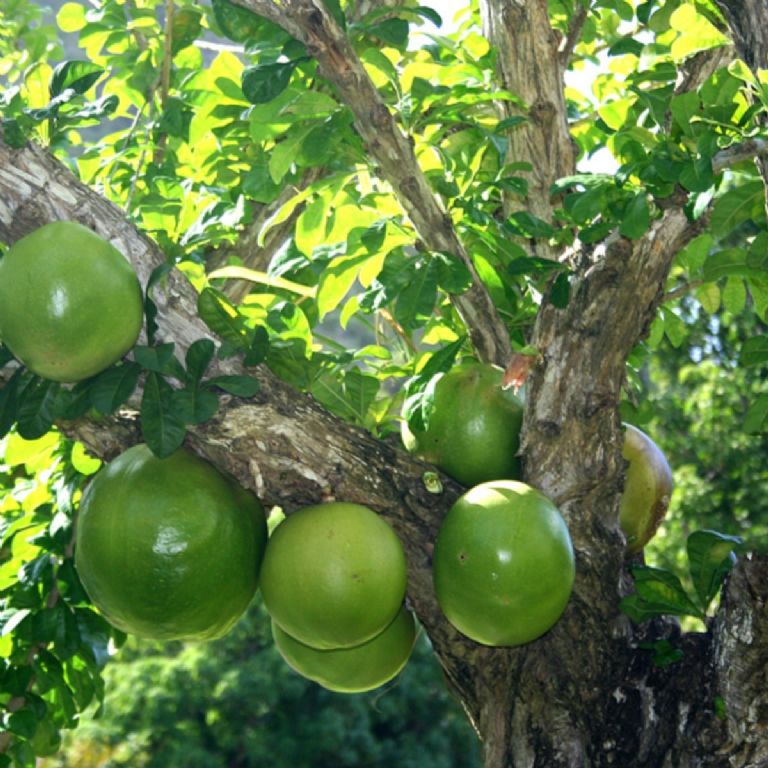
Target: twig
[[165, 75], [681, 290], [746, 150], [574, 33]]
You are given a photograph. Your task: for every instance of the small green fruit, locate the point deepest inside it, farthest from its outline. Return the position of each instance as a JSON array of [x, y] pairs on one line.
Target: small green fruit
[[334, 575], [473, 432], [647, 489], [503, 564], [70, 304], [352, 670]]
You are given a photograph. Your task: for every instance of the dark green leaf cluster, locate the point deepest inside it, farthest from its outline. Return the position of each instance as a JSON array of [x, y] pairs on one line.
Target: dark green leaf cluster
[[236, 700], [659, 592]]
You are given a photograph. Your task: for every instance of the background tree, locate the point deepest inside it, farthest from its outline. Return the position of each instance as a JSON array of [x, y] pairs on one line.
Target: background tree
[[430, 195]]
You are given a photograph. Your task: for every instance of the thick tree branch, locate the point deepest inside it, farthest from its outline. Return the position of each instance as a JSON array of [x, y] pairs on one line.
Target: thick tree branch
[[310, 22], [529, 66]]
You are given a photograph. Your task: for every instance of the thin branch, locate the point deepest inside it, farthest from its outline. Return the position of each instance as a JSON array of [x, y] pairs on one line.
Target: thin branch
[[310, 21], [247, 248], [747, 150], [682, 290], [574, 33], [165, 75]]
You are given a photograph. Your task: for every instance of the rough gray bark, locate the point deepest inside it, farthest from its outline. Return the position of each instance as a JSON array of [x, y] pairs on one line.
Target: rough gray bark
[[531, 64], [586, 694]]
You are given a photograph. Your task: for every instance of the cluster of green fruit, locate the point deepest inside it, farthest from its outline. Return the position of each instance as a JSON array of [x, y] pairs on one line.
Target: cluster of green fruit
[[171, 549], [503, 564]]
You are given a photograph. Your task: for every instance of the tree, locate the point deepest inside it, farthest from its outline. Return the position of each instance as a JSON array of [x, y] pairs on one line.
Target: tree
[[443, 179]]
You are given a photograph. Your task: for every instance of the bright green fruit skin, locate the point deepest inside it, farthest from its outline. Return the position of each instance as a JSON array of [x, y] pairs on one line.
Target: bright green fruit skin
[[503, 564], [352, 670], [334, 575], [169, 549], [70, 304], [648, 488], [473, 432]]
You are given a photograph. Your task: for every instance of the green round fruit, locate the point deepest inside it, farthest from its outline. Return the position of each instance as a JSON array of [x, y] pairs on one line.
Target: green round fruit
[[169, 548], [70, 304], [473, 432], [352, 670], [503, 564], [647, 488], [334, 575]]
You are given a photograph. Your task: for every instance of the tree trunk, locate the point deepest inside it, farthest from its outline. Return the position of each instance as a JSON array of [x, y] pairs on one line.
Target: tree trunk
[[587, 693]]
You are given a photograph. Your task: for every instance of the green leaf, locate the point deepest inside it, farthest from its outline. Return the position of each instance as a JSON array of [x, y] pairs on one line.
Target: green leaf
[[198, 358], [560, 293], [71, 17], [730, 261], [265, 82], [241, 386], [756, 420], [417, 298], [392, 31], [711, 556], [443, 359], [150, 308], [453, 274], [658, 593], [684, 108], [674, 328], [757, 255], [186, 27], [162, 428], [74, 74], [194, 405], [36, 412], [734, 295], [360, 390], [9, 402], [159, 359], [755, 351], [111, 388], [736, 206], [259, 347], [709, 296], [528, 225], [636, 217], [221, 317]]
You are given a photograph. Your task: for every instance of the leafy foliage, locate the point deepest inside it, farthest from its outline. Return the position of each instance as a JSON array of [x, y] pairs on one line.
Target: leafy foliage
[[216, 130]]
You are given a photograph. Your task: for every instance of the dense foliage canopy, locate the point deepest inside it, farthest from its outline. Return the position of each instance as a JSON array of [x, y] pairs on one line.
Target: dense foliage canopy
[[345, 199]]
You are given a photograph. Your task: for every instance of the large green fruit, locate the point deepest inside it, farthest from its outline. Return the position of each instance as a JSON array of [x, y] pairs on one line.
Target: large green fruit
[[169, 548], [352, 670], [334, 575], [473, 432], [70, 304], [503, 564], [647, 488]]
